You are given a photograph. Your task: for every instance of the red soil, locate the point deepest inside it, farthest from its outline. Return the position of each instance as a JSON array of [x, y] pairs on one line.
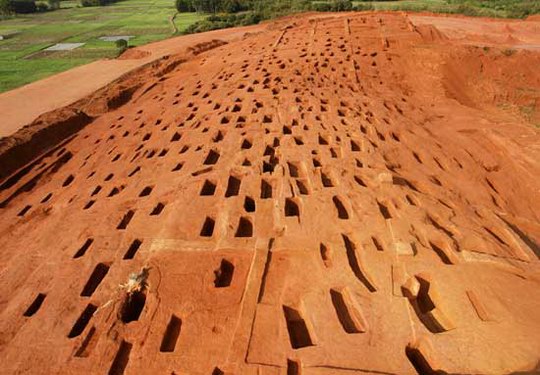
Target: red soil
[[353, 193], [134, 54]]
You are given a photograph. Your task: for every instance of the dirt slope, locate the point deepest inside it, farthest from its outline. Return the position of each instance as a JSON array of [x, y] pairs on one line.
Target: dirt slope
[[339, 194]]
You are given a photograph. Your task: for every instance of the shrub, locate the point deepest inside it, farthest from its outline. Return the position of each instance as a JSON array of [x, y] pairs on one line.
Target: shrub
[[206, 6], [322, 7], [53, 4], [360, 7], [23, 6], [342, 5], [232, 6], [95, 3], [90, 3], [184, 6], [42, 7], [496, 8], [222, 21], [5, 7], [334, 6], [467, 10], [27, 6], [122, 45], [251, 19]]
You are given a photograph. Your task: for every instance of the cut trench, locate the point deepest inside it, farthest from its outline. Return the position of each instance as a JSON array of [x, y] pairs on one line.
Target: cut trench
[[302, 187], [121, 359], [97, 276], [348, 315], [384, 211], [132, 250], [325, 255], [245, 228], [24, 210], [420, 362], [208, 188], [293, 170], [355, 265], [36, 305], [132, 306], [224, 274], [341, 211], [293, 367], [377, 243], [125, 220], [249, 204], [212, 158], [326, 181], [146, 191], [208, 227], [157, 209], [88, 344], [82, 321], [291, 208], [82, 250], [440, 252], [296, 326], [233, 187], [266, 190], [168, 343]]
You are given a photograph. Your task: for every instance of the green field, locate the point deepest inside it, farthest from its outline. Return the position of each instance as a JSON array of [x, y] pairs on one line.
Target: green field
[[21, 61], [483, 8], [405, 4]]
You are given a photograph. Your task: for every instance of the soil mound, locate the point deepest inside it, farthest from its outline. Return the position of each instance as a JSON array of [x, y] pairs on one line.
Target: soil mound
[[534, 18], [206, 46], [430, 33], [132, 54]]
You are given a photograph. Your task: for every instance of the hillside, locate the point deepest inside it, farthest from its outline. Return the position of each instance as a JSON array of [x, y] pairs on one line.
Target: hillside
[[336, 194]]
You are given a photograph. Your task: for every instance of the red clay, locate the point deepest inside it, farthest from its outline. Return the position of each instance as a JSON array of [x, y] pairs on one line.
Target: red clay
[[352, 193]]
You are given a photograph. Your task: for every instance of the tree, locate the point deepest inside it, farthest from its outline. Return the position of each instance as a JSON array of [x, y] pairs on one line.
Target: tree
[[206, 6], [232, 6], [184, 6], [5, 7], [53, 4], [23, 6], [342, 5], [122, 45]]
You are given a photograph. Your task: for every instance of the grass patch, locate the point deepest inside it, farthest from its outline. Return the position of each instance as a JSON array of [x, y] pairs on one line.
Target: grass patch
[[482, 8]]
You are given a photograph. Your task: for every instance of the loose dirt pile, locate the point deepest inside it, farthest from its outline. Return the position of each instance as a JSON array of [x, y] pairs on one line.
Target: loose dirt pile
[[341, 194]]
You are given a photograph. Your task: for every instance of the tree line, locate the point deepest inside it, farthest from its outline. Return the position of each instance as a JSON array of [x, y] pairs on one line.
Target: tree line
[[8, 7], [213, 6]]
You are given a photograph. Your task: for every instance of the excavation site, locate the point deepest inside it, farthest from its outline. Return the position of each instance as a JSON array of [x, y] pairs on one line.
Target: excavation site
[[325, 193]]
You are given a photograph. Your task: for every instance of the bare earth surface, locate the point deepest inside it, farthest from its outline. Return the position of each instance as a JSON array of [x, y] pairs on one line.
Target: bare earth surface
[[332, 194]]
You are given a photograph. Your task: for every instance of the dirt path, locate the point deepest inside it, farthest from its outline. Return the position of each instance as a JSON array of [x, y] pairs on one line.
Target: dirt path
[[21, 106]]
